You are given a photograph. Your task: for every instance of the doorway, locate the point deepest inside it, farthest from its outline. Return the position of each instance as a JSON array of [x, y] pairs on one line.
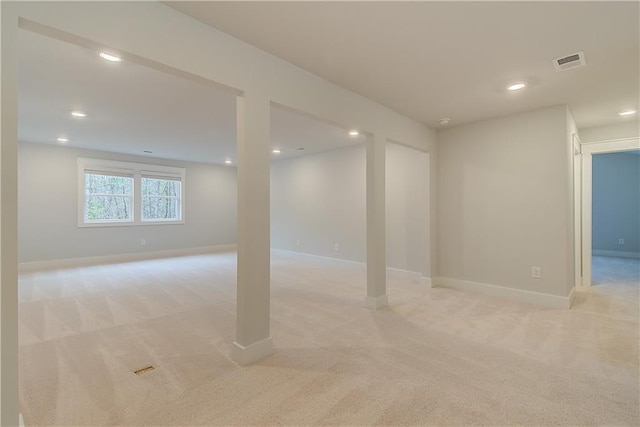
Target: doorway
[[586, 215], [616, 218]]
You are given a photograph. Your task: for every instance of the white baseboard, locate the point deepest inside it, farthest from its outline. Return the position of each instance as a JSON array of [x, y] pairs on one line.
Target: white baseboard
[[616, 254], [404, 274], [520, 295], [375, 303], [572, 296], [251, 353], [29, 267], [317, 256], [391, 271], [426, 281]]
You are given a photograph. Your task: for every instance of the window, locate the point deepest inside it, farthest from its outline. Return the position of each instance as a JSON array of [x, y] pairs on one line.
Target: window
[[108, 197], [161, 199], [122, 193]]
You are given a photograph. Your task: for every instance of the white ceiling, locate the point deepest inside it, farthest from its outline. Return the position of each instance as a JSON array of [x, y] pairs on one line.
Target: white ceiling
[[133, 108], [430, 60]]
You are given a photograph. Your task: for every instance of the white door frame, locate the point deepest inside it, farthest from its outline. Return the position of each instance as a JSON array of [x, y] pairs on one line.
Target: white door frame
[[588, 150], [577, 210]]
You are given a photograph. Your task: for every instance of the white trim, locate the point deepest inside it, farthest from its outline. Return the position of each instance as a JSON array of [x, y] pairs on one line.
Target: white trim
[[20, 420], [391, 271], [609, 141], [128, 223], [588, 149], [129, 167], [376, 303], [427, 281], [251, 353], [616, 254], [520, 295], [399, 273], [572, 297], [577, 209], [317, 256], [28, 267]]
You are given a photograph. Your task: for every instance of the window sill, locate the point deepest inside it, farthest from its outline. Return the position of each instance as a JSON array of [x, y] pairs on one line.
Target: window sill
[[127, 224]]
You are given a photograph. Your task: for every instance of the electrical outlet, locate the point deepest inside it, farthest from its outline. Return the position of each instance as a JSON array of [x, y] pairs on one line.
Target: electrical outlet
[[621, 241], [143, 242], [336, 247], [536, 272]]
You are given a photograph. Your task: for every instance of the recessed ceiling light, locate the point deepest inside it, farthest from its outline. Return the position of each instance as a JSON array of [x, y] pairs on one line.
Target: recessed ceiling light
[[516, 86], [78, 114], [354, 132], [110, 57], [228, 162], [276, 151], [628, 113], [444, 121], [62, 140]]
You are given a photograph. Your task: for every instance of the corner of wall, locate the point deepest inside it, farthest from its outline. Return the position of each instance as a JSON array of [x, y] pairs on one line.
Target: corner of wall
[[491, 188]]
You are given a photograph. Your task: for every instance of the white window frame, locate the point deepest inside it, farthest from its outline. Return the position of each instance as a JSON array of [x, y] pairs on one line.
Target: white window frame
[[130, 197], [164, 176], [137, 170]]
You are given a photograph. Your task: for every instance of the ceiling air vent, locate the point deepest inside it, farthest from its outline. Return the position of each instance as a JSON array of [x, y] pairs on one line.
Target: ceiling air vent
[[570, 61]]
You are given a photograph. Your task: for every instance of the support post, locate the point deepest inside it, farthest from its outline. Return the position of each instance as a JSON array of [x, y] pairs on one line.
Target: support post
[[9, 217], [376, 227], [427, 269], [253, 341]]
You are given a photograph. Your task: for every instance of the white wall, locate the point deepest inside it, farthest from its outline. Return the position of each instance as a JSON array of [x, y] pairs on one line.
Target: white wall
[[504, 202], [47, 208], [627, 128], [616, 204], [320, 200], [407, 209]]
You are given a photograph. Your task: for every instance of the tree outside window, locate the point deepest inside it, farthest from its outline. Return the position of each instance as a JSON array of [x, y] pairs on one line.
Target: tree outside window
[[108, 197], [161, 199]]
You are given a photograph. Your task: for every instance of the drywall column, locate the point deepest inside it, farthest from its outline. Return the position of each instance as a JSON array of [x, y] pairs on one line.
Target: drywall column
[[426, 278], [252, 336], [376, 226], [9, 219]]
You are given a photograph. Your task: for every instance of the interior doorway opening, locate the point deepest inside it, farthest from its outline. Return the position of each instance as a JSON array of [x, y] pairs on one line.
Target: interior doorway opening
[[589, 235], [616, 218]]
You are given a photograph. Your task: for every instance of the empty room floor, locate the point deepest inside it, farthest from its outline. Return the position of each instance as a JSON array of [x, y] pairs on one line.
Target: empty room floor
[[434, 357], [614, 271]]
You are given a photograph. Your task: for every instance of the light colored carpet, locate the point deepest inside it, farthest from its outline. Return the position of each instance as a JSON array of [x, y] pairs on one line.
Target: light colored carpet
[[434, 357]]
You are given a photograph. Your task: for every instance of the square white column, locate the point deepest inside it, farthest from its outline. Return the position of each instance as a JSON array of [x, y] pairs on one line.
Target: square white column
[[376, 226], [428, 262], [253, 341], [9, 218]]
